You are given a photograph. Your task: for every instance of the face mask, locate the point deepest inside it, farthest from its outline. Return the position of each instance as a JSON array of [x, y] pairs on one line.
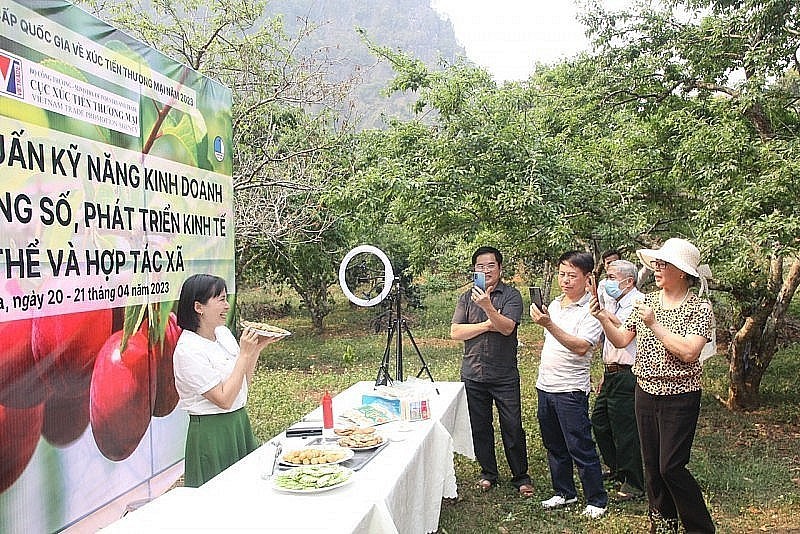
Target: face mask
[[612, 289]]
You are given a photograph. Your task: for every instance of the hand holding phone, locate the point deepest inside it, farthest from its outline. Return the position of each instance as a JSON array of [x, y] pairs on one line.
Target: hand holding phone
[[592, 285], [479, 279], [536, 297]]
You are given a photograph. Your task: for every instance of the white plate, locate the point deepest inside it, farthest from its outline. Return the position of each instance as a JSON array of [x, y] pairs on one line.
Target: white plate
[[309, 491], [348, 453], [266, 333], [366, 448]]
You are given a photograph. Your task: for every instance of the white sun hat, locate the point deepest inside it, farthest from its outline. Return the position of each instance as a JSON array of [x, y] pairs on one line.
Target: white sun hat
[[683, 255]]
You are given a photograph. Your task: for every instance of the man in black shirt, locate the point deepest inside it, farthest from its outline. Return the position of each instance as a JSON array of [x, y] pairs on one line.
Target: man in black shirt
[[487, 323]]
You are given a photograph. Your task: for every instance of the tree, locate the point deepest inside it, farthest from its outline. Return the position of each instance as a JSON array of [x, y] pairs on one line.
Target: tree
[[484, 164], [288, 120], [720, 87], [681, 126]]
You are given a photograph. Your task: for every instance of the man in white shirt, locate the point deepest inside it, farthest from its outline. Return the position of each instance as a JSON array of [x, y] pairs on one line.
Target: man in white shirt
[[563, 386], [613, 417]]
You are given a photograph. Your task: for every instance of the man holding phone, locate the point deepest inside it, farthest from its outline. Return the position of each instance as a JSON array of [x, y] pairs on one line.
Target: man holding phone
[[613, 417], [486, 320], [563, 386]]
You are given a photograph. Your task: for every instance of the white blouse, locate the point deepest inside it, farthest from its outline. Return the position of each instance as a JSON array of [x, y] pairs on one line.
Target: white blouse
[[200, 364]]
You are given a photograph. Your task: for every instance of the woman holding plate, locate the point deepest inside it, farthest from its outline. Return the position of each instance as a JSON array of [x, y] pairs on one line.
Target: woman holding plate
[[671, 326], [212, 371]]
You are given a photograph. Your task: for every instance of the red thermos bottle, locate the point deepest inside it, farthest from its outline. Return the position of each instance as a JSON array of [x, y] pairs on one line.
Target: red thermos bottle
[[327, 412]]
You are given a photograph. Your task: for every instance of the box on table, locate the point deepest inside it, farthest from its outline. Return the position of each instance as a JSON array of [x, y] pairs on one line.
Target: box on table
[[406, 408]]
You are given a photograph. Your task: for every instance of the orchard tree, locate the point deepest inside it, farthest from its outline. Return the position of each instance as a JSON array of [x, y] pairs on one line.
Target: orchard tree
[[289, 121], [509, 166], [684, 125], [717, 81]]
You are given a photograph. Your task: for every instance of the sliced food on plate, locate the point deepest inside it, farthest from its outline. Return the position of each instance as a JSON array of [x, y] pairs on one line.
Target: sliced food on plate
[[350, 430], [317, 456], [266, 329], [313, 478], [361, 441]]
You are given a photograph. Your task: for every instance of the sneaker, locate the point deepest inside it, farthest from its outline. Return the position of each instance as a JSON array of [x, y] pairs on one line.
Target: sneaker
[[557, 501], [592, 512]]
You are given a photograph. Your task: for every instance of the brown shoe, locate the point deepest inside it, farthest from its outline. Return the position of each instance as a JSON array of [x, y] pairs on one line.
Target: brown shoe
[[526, 490], [626, 493], [485, 485]]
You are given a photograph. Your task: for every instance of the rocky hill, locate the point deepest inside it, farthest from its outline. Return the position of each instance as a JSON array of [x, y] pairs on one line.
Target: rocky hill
[[412, 26]]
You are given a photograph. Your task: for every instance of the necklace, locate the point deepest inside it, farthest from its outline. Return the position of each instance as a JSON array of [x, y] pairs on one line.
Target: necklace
[[681, 303]]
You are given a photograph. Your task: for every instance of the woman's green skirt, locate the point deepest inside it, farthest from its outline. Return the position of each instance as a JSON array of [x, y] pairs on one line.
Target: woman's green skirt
[[214, 443]]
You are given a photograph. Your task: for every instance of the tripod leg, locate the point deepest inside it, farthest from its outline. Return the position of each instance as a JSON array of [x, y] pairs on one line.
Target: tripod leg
[[421, 359], [383, 371]]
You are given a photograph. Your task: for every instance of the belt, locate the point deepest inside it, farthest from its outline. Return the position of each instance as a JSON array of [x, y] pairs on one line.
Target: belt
[[612, 368]]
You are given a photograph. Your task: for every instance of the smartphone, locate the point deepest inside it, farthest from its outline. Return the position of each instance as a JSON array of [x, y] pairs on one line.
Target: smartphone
[[593, 284], [536, 297], [479, 279]]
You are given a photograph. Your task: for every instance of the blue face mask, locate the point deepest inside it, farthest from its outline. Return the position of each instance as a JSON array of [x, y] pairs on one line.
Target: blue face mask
[[612, 289]]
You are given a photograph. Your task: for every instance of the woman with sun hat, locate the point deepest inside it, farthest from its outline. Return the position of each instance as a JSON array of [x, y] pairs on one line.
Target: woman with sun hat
[[671, 327]]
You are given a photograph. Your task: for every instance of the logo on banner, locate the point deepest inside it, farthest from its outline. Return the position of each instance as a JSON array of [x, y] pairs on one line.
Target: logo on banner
[[10, 75], [219, 148]]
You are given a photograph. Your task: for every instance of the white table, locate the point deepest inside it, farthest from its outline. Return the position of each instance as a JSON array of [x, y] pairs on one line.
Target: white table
[[399, 491]]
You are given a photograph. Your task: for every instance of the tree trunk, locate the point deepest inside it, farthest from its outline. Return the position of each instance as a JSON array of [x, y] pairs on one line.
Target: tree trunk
[[754, 345], [745, 370], [317, 323]]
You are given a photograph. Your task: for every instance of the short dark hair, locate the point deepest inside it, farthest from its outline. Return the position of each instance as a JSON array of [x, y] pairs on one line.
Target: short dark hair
[[582, 260], [197, 288], [498, 256], [610, 252]]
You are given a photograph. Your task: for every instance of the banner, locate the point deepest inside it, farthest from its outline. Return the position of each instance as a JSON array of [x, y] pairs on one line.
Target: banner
[[115, 186]]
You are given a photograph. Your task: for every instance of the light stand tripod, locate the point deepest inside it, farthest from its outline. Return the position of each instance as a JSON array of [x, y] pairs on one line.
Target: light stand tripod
[[396, 325]]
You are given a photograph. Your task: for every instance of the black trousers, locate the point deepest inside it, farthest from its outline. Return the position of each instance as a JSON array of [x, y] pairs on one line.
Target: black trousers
[[667, 424], [506, 396]]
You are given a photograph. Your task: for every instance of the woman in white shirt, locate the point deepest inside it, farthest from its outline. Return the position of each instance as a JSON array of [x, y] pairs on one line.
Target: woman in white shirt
[[212, 371]]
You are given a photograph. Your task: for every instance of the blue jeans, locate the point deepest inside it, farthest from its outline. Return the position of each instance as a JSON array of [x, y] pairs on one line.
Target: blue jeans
[[567, 436]]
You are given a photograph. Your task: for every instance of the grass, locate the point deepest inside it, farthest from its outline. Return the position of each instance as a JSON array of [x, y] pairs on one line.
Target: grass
[[747, 463]]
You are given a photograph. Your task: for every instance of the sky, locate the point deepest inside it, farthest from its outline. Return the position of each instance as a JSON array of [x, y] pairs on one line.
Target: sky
[[508, 37]]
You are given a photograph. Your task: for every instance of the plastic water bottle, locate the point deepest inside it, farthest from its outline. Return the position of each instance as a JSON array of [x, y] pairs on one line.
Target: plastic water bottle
[[327, 415]]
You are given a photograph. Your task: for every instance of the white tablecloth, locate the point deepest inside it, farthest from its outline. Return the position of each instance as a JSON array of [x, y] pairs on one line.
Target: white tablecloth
[[399, 491]]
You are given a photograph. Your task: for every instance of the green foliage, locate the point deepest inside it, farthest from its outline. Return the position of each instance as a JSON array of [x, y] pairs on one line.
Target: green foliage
[[685, 124], [745, 463]]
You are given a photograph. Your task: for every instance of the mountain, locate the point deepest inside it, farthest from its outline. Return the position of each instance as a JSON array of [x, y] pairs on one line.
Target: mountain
[[412, 26]]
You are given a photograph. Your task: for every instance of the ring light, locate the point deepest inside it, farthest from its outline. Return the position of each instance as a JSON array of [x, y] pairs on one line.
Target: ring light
[[388, 275]]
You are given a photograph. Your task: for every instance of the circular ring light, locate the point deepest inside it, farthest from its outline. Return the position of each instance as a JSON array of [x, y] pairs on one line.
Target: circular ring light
[[388, 275]]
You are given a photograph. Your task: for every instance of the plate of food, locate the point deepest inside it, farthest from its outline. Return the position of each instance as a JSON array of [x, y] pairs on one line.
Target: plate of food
[[359, 439], [319, 455], [265, 329], [313, 479]]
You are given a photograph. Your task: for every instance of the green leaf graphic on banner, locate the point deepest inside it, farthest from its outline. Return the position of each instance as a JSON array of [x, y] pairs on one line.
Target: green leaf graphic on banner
[[177, 141], [14, 109], [172, 147]]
